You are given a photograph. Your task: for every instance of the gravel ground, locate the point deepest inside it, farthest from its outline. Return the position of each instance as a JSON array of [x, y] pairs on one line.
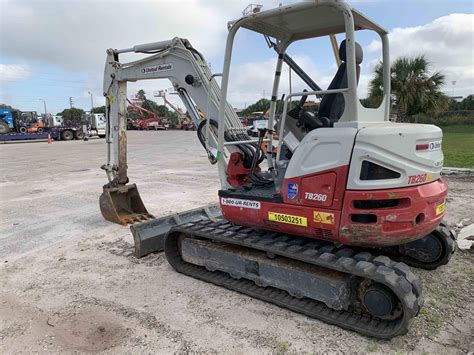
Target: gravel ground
[[69, 282]]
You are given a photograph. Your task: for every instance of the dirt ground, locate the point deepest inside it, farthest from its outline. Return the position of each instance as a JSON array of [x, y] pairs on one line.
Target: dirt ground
[[69, 282]]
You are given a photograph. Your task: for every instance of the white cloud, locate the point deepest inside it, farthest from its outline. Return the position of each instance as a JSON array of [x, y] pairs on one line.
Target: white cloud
[[447, 42], [13, 72], [374, 46], [73, 36]]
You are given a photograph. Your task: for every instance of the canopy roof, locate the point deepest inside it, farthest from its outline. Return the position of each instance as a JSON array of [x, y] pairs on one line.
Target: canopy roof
[[306, 20]]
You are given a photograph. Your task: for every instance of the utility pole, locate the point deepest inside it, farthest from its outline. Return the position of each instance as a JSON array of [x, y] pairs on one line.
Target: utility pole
[[453, 83], [44, 103], [71, 101], [92, 101]]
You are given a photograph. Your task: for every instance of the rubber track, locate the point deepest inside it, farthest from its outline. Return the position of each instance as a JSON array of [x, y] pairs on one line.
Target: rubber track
[[448, 239], [396, 275]]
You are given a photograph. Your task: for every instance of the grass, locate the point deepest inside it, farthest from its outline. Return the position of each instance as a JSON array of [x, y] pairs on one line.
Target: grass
[[372, 347], [282, 347], [458, 146]]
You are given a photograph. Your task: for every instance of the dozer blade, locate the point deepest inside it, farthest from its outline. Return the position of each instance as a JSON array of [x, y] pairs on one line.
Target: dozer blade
[[149, 236], [123, 205]]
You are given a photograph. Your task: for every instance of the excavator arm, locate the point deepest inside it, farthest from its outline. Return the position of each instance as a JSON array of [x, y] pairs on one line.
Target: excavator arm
[[188, 72], [177, 61]]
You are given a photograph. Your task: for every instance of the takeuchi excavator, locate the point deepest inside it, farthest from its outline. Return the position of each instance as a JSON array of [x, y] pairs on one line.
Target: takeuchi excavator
[[328, 225]]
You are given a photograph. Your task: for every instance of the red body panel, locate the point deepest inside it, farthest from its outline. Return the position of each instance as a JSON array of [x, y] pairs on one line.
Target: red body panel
[[331, 183], [413, 213], [414, 217], [237, 173]]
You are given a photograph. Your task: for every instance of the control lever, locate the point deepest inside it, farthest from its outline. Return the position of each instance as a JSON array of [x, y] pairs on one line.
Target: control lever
[[261, 134]]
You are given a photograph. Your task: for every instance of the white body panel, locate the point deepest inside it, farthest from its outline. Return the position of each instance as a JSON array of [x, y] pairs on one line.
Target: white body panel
[[393, 146], [322, 149], [390, 145], [98, 122], [53, 121]]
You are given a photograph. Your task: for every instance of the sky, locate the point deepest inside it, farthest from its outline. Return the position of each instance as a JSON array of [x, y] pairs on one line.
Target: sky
[[51, 50]]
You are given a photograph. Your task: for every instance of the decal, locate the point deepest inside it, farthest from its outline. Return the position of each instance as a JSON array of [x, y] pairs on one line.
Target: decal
[[157, 68], [292, 190], [417, 179], [434, 146], [287, 218], [236, 202], [440, 208], [315, 196], [323, 217]]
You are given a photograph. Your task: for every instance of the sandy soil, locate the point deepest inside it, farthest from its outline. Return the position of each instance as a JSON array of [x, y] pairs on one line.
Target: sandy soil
[[69, 282]]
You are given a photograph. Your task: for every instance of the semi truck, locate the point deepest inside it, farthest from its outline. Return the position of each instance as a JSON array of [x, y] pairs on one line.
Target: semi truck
[[28, 125], [96, 124], [65, 131]]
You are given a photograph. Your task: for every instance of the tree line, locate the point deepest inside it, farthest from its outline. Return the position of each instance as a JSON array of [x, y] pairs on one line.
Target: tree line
[[414, 90]]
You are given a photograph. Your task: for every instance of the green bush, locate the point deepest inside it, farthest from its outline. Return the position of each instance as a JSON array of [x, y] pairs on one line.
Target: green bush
[[448, 118]]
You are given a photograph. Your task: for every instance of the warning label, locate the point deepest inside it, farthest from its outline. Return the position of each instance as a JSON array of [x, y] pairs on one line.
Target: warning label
[[237, 202], [323, 217]]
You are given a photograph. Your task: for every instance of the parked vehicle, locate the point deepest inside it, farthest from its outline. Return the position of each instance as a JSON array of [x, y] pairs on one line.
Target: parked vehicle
[[20, 122], [96, 124], [6, 121], [152, 122], [67, 131], [27, 125]]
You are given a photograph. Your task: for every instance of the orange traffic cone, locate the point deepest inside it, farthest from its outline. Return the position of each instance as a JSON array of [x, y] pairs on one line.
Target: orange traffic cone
[[49, 139]]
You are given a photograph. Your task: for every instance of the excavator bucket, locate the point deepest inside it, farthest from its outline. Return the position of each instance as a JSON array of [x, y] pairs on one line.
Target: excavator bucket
[[123, 205], [149, 236]]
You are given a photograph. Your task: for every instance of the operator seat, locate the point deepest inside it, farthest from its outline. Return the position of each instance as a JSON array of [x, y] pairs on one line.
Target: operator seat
[[332, 105]]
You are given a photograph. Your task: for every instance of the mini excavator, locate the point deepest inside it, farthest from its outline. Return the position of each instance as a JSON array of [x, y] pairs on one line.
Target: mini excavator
[[329, 225]]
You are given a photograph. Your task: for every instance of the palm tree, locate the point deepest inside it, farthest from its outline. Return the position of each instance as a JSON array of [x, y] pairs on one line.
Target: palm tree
[[414, 89]]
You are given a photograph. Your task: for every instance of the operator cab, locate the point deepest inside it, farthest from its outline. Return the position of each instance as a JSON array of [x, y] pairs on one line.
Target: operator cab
[[339, 104], [334, 169], [331, 107]]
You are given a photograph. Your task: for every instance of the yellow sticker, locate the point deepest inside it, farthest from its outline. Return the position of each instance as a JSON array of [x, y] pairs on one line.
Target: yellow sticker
[[287, 218], [323, 217], [440, 208]]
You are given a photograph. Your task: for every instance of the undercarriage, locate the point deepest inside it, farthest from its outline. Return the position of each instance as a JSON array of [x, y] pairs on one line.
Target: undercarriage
[[370, 291], [374, 296]]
